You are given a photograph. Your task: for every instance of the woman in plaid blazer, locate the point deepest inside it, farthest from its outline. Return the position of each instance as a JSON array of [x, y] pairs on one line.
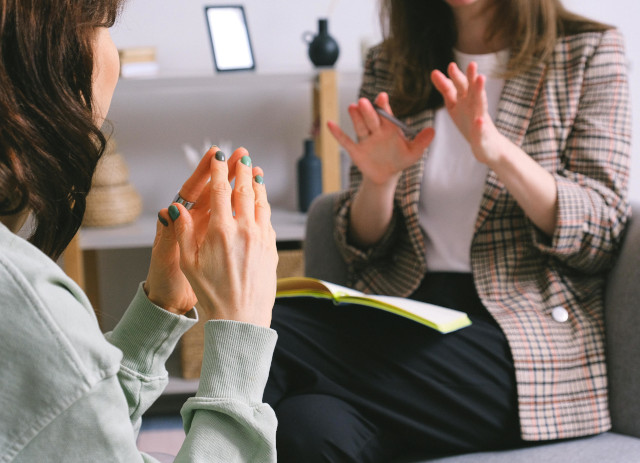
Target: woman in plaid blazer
[[546, 222]]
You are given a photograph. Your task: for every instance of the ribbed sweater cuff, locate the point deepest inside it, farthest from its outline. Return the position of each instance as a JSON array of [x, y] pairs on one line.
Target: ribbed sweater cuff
[[236, 361], [147, 334]]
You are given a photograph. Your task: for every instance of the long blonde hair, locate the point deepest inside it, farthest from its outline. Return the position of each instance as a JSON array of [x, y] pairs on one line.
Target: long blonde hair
[[419, 37]]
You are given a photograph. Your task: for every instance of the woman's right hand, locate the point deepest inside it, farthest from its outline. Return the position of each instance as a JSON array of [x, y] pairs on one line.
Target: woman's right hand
[[382, 151], [228, 250]]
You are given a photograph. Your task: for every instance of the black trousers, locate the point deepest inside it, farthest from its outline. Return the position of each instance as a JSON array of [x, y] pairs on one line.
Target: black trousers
[[355, 384]]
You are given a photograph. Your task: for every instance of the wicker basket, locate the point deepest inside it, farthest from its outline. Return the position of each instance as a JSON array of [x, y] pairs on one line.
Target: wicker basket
[[291, 264], [111, 170], [112, 205], [112, 199]]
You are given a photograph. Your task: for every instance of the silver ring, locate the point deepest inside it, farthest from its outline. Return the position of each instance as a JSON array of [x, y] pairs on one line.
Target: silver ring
[[187, 204]]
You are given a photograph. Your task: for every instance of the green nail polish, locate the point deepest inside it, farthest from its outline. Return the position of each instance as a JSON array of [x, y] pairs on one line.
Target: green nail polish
[[220, 156], [246, 160], [259, 179], [174, 212], [162, 220]]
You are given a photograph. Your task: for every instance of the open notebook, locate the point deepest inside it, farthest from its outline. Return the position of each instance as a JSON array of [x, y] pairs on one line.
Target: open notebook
[[439, 318]]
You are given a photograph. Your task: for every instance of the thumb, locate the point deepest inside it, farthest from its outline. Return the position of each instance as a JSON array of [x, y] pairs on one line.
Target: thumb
[[164, 242], [422, 141], [181, 224]]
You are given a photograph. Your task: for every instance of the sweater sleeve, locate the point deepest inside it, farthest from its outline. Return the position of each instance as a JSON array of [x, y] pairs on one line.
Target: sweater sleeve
[[226, 420], [146, 335]]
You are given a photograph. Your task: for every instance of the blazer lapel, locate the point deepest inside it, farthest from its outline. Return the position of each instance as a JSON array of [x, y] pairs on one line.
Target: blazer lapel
[[515, 109], [408, 191]]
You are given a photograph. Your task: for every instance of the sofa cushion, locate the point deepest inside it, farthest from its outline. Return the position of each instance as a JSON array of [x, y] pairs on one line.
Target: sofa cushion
[[607, 447]]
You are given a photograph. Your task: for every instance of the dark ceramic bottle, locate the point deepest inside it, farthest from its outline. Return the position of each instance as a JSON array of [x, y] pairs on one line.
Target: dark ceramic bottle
[[309, 176], [323, 49]]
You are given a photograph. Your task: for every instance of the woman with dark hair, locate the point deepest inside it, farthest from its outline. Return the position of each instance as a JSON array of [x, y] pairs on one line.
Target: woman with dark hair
[[68, 392], [509, 204]]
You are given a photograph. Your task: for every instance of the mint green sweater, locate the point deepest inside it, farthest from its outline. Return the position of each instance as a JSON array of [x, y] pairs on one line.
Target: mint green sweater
[[68, 393]]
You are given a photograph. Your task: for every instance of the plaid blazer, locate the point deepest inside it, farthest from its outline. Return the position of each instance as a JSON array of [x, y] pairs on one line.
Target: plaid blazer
[[572, 116]]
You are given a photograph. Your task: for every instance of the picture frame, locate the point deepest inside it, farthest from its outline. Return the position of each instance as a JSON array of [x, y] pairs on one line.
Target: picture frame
[[229, 36]]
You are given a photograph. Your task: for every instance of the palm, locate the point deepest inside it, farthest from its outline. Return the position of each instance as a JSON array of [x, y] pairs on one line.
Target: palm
[[382, 151]]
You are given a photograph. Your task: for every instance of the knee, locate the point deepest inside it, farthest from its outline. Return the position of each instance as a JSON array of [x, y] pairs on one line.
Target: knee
[[317, 428]]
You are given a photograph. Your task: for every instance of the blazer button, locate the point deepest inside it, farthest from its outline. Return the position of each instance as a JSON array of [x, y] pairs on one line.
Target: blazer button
[[560, 314]]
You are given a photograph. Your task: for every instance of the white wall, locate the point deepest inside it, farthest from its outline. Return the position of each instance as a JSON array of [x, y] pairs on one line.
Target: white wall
[[178, 29]]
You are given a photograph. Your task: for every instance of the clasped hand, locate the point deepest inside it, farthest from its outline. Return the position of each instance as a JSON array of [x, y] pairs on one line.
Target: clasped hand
[[221, 253]]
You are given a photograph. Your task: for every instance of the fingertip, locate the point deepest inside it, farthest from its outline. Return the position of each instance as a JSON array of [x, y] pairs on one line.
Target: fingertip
[[163, 221], [257, 170], [174, 211], [220, 156], [241, 151]]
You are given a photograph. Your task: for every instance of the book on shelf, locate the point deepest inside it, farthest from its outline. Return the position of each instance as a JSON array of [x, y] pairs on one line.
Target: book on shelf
[[439, 318], [138, 62]]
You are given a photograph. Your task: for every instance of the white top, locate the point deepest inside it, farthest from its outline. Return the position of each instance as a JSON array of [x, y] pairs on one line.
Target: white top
[[453, 179]]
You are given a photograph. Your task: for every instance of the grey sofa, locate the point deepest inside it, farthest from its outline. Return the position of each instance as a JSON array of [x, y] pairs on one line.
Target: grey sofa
[[622, 443]]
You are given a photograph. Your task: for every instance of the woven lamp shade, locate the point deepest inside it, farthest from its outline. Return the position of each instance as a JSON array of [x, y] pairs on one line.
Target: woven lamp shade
[[112, 199]]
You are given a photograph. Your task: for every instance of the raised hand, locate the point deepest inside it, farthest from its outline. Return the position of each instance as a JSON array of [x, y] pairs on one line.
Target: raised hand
[[382, 151], [466, 101]]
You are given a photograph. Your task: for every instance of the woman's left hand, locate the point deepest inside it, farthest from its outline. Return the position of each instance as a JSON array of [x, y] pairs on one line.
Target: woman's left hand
[[166, 286], [466, 101]]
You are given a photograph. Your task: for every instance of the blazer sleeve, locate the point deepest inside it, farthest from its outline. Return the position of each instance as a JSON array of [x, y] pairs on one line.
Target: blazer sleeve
[[593, 207]]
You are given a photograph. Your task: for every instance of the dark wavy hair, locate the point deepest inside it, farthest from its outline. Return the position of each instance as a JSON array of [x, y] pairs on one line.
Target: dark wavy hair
[[420, 36], [49, 144]]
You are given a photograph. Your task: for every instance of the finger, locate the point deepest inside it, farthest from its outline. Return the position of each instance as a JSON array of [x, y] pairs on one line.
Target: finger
[[422, 141], [472, 72], [243, 197], [459, 79], [257, 170], [343, 139], [181, 225], [238, 154], [479, 95], [359, 126], [262, 207], [201, 210], [445, 87], [382, 101], [220, 193], [369, 115], [204, 200], [195, 183], [164, 234]]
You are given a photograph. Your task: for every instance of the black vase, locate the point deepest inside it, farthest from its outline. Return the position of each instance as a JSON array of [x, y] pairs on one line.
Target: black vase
[[309, 176], [323, 49]]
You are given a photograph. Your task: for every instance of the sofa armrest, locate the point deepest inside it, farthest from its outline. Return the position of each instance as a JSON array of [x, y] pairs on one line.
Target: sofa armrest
[[322, 259], [622, 303]]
